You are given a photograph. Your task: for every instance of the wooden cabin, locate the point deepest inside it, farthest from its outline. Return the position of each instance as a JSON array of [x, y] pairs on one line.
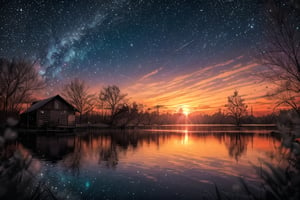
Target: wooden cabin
[[52, 112]]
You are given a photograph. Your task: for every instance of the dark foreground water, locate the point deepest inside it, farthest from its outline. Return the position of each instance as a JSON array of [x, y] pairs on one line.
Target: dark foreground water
[[168, 162]]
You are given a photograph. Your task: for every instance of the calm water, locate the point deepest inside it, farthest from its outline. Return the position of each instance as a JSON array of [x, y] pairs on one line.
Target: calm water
[[168, 162]]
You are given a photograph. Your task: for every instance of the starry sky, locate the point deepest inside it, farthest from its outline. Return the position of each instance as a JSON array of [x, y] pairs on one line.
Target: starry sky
[[188, 54]]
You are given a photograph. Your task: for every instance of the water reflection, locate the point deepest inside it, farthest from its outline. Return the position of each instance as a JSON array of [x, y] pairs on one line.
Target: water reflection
[[151, 163], [73, 160], [50, 148], [237, 145], [186, 137], [109, 144]]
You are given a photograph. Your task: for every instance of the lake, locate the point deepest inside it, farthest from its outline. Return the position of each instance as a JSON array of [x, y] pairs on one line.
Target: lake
[[163, 162]]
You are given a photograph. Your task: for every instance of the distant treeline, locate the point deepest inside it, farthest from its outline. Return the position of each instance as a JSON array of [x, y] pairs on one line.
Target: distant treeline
[[132, 117]]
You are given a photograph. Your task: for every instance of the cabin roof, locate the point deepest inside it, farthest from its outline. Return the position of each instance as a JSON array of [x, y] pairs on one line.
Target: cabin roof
[[43, 102]]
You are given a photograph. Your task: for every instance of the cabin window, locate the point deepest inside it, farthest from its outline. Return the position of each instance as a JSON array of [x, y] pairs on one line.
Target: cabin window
[[42, 112], [56, 105]]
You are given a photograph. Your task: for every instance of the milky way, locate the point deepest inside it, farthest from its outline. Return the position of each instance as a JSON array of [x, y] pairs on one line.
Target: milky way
[[122, 42], [117, 36]]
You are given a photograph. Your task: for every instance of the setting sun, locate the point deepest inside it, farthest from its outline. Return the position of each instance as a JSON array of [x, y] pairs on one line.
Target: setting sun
[[186, 112]]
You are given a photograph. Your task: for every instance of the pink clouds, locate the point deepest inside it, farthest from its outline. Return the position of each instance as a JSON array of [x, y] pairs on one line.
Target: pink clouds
[[151, 74], [207, 87]]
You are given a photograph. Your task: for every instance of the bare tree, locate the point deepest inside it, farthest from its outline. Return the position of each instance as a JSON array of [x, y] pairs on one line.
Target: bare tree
[[77, 93], [281, 52], [111, 97], [236, 107], [18, 81], [129, 113]]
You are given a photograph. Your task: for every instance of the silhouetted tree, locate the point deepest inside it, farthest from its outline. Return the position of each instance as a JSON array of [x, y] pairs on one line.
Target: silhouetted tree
[[76, 92], [129, 114], [281, 52], [122, 116], [236, 107], [138, 113], [218, 117], [149, 116], [111, 97], [157, 107], [18, 81]]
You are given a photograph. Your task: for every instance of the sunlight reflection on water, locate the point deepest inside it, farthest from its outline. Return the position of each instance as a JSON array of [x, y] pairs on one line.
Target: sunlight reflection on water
[[170, 162]]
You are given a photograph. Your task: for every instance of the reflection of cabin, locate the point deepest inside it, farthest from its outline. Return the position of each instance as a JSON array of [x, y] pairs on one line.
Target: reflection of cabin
[[51, 112], [43, 146]]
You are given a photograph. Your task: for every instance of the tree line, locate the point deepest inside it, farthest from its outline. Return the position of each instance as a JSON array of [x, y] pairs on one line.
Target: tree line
[[20, 81]]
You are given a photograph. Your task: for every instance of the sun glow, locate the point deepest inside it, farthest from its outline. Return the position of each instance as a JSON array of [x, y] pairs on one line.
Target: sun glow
[[185, 111], [201, 93]]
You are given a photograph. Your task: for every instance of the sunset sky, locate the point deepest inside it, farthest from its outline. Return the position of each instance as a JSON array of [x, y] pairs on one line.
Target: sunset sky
[[180, 54]]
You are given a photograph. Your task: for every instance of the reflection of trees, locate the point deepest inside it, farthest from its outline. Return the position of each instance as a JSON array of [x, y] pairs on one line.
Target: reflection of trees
[[108, 146], [54, 149], [126, 140], [236, 145], [73, 161], [109, 155], [122, 141]]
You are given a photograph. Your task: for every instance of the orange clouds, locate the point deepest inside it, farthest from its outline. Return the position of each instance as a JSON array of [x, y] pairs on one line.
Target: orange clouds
[[206, 89], [151, 74]]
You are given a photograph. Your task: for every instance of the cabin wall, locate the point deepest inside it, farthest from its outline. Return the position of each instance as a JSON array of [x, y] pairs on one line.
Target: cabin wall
[[59, 117], [55, 113], [43, 117]]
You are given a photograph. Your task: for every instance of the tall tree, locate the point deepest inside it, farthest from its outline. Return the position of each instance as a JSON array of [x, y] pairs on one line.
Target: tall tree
[[236, 107], [129, 113], [281, 52], [111, 97], [77, 93], [18, 81]]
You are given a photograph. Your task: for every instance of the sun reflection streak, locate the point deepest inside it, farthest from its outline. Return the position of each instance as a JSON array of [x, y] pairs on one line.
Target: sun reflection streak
[[185, 139]]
